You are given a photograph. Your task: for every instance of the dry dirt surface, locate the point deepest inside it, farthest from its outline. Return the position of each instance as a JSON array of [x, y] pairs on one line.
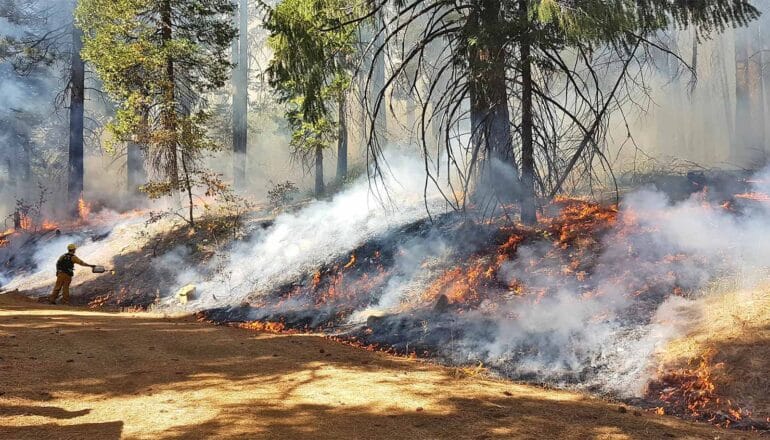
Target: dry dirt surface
[[70, 373]]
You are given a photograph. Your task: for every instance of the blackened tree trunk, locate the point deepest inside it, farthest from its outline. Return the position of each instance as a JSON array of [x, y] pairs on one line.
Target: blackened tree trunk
[[498, 121], [490, 118], [528, 209], [478, 104], [494, 56], [77, 100], [342, 141], [478, 107], [241, 96], [168, 107], [320, 189]]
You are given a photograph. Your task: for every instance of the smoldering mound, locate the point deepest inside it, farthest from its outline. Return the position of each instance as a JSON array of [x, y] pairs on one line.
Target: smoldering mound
[[585, 300]]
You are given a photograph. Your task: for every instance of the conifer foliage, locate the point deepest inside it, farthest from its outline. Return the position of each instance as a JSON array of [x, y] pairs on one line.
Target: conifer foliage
[[157, 60]]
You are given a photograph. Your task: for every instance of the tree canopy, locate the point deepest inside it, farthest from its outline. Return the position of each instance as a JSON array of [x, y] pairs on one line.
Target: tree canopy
[[157, 59], [311, 67], [529, 82]]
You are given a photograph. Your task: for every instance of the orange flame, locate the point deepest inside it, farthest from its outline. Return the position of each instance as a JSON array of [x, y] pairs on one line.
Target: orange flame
[[693, 392], [84, 208], [756, 196], [25, 222], [4, 237], [49, 225], [265, 326]]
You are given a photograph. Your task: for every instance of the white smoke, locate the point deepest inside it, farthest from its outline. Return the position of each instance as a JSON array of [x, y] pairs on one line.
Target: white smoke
[[301, 241], [107, 236], [616, 329], [601, 332]]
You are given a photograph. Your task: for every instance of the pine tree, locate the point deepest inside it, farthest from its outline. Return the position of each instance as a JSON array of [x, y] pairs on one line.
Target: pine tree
[[311, 71], [506, 58], [158, 59], [39, 42]]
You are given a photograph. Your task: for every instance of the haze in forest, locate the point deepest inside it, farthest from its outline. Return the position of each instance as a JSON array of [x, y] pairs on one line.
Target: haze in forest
[[551, 189], [702, 105]]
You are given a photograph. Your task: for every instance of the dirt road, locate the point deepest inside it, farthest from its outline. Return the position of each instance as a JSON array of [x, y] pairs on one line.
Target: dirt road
[[68, 373]]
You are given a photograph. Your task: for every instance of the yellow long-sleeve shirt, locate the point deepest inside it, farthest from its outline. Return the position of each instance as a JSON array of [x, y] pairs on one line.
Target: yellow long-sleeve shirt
[[78, 261]]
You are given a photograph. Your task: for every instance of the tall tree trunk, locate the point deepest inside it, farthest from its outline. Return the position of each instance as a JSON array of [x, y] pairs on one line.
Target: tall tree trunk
[[478, 106], [342, 141], [528, 209], [490, 118], [749, 99], [168, 108], [20, 171], [135, 152], [77, 100], [726, 92], [763, 43], [241, 96], [320, 189], [498, 121], [188, 190]]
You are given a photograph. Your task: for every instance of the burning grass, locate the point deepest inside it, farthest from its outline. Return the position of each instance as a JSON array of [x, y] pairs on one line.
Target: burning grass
[[420, 290], [756, 196], [503, 265], [692, 392], [719, 371]]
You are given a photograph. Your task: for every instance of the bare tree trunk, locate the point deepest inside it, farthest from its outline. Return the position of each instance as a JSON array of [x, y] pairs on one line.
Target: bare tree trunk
[[528, 209], [320, 189], [342, 141], [77, 100], [241, 96], [168, 108]]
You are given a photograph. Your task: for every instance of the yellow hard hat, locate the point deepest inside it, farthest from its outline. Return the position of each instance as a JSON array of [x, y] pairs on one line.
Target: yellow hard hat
[[71, 247]]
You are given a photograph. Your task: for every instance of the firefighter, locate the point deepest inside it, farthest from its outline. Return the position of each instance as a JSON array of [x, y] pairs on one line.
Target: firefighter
[[65, 270]]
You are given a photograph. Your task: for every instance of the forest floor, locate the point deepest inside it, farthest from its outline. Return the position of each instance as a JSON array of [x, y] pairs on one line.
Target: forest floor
[[73, 373]]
